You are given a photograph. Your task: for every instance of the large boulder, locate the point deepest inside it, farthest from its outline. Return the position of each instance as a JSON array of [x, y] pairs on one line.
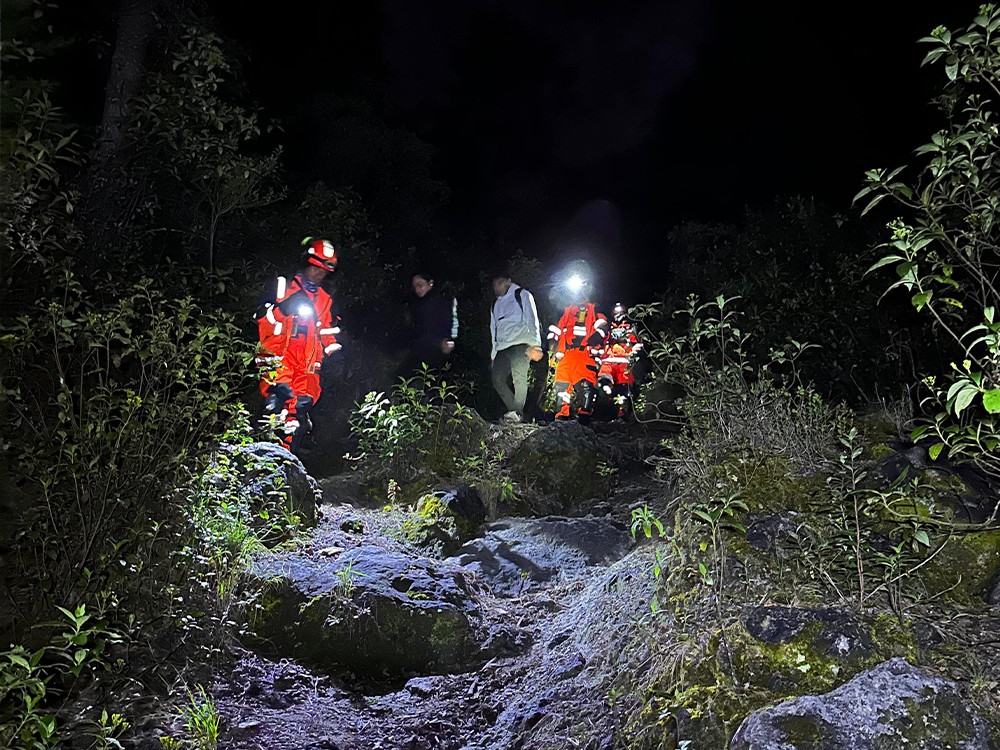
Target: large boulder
[[557, 469], [965, 567], [370, 612], [894, 705], [516, 554], [771, 653], [789, 650], [443, 519], [271, 479]]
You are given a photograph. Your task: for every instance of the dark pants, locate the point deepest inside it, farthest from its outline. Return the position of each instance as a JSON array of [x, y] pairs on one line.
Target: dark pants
[[510, 366]]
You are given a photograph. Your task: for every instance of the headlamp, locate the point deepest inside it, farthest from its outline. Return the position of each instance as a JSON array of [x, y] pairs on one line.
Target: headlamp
[[305, 311], [575, 283]]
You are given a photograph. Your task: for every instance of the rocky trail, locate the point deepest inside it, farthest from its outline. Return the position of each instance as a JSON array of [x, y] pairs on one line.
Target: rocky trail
[[366, 642], [382, 628]]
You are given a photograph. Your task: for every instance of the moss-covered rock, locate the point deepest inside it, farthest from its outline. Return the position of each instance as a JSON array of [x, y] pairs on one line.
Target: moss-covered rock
[[772, 484], [894, 705], [274, 481], [771, 653], [372, 613], [558, 469], [792, 651], [966, 566], [961, 561]]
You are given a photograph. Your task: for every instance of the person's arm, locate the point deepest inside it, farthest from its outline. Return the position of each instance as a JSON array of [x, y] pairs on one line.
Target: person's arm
[[446, 323], [556, 337], [600, 333], [328, 330]]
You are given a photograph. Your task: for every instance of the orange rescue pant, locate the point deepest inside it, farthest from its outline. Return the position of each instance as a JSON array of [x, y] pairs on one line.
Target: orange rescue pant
[[576, 368]]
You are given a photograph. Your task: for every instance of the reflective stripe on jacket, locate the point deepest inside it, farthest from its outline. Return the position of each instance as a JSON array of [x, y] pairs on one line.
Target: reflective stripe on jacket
[[581, 327], [296, 318]]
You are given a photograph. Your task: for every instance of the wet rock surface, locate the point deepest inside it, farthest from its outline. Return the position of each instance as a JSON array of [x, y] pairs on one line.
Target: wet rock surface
[[531, 661], [516, 554], [374, 612], [894, 705], [528, 636]]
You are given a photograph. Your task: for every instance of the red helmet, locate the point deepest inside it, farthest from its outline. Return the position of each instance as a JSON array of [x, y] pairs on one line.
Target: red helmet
[[320, 253]]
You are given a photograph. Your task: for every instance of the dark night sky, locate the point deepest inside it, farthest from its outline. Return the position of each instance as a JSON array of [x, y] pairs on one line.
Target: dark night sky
[[628, 116]]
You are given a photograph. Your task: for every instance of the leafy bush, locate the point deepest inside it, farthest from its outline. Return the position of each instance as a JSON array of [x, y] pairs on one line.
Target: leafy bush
[[730, 403], [421, 420], [798, 269], [107, 408], [203, 144], [35, 685], [36, 227], [945, 250]]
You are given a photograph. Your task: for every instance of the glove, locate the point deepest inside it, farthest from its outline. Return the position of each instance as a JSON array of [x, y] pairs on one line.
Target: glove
[[277, 396]]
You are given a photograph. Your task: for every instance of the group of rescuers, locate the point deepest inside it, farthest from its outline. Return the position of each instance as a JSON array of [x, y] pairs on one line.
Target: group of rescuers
[[297, 329]]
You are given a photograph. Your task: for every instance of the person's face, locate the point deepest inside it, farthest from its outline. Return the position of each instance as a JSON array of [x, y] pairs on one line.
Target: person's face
[[315, 274], [500, 286], [421, 285]]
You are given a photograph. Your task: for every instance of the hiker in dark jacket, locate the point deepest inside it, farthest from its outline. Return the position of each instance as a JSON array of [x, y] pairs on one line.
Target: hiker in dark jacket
[[434, 324]]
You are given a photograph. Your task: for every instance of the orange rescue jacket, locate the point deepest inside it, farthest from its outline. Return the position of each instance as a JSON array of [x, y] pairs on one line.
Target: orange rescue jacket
[[294, 318]]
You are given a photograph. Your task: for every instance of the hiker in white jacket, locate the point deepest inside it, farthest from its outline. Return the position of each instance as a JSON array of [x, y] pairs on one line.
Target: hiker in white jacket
[[517, 341]]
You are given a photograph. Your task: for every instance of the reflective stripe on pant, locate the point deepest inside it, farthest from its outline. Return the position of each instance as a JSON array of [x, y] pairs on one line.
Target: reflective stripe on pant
[[575, 383], [302, 377]]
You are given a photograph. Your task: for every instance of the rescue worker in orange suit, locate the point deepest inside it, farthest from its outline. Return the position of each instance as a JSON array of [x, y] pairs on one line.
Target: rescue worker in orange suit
[[577, 340], [297, 330], [615, 376]]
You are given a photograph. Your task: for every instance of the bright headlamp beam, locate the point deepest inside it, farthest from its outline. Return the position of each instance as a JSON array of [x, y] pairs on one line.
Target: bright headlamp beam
[[575, 283]]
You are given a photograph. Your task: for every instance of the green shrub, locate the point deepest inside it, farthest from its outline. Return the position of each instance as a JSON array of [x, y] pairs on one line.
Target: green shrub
[[201, 720], [732, 403], [944, 249], [422, 420], [798, 269], [35, 684], [109, 407]]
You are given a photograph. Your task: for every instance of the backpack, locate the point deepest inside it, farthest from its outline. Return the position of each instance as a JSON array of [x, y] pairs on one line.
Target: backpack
[[517, 296]]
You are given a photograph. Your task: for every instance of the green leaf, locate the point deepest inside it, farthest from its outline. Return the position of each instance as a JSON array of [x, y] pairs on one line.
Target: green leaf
[[704, 516], [991, 400], [886, 261], [935, 450], [963, 399], [920, 299], [874, 202], [957, 386]]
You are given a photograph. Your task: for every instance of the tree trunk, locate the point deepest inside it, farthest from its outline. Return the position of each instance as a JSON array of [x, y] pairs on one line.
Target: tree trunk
[[136, 22], [109, 194]]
